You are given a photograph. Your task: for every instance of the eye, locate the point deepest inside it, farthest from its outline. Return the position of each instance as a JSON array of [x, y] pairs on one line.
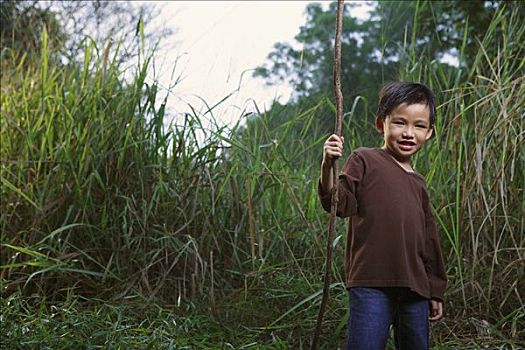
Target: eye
[[397, 122], [421, 126]]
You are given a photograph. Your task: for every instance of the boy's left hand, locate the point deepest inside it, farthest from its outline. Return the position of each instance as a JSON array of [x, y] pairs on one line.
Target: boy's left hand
[[436, 310]]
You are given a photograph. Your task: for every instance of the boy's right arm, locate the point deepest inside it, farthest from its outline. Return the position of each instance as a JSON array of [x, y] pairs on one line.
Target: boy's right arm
[[332, 150]]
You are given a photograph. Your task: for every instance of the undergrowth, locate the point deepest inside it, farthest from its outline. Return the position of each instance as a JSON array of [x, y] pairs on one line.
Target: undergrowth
[[123, 226]]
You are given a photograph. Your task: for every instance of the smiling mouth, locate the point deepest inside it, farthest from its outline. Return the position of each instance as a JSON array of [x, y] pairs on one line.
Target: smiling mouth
[[407, 143]]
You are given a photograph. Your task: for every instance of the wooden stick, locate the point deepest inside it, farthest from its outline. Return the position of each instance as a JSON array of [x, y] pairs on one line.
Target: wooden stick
[[335, 170]]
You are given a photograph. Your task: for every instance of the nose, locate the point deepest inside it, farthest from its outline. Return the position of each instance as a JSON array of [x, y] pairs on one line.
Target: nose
[[408, 132]]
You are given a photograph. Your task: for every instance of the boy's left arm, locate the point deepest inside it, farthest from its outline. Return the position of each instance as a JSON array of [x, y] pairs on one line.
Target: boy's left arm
[[434, 264]]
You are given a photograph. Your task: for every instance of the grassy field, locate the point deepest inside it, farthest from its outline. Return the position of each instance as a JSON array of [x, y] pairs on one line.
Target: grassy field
[[242, 322], [125, 227]]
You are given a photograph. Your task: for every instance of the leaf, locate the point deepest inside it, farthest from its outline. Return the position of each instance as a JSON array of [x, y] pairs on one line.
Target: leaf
[[18, 191], [59, 230], [304, 301], [26, 251]]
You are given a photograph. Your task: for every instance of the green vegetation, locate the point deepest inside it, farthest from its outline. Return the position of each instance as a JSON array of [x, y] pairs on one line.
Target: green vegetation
[[122, 230]]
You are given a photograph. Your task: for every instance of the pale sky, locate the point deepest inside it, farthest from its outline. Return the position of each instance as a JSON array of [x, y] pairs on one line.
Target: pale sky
[[216, 41]]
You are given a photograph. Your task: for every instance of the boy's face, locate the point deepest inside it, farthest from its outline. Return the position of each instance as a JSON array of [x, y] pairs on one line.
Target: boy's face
[[405, 130]]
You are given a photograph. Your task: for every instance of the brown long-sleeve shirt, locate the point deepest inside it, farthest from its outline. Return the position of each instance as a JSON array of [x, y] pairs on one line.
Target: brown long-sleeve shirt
[[392, 235]]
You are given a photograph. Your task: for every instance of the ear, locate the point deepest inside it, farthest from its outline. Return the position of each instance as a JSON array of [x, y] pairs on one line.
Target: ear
[[380, 125], [429, 134]]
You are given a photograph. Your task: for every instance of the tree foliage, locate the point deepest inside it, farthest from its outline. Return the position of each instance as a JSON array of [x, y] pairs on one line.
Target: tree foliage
[[68, 23], [22, 25], [373, 49], [308, 67]]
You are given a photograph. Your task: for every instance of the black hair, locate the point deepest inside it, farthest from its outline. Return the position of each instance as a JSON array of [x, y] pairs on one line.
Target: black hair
[[396, 93]]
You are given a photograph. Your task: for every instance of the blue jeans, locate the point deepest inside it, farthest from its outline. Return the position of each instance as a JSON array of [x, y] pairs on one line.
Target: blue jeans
[[373, 310]]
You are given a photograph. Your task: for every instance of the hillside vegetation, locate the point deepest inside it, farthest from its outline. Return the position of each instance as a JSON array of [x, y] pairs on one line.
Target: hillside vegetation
[[122, 225]]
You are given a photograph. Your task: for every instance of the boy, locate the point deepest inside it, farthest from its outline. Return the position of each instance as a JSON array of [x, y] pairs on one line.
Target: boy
[[394, 270]]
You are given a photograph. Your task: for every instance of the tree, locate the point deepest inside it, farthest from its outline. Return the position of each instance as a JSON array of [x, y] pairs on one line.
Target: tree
[[308, 68], [373, 49], [68, 23], [22, 26], [436, 28]]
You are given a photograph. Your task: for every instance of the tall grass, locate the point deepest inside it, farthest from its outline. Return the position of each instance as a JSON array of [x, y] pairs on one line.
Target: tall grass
[[104, 198], [476, 170], [97, 192]]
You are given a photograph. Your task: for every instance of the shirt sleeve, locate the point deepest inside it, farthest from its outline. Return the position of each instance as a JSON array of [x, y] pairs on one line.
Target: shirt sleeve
[[434, 264], [349, 179]]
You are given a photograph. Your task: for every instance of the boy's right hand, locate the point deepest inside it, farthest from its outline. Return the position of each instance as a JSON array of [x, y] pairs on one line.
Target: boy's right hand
[[333, 149]]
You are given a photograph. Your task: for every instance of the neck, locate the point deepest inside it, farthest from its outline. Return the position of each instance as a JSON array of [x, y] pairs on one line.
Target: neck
[[404, 162]]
